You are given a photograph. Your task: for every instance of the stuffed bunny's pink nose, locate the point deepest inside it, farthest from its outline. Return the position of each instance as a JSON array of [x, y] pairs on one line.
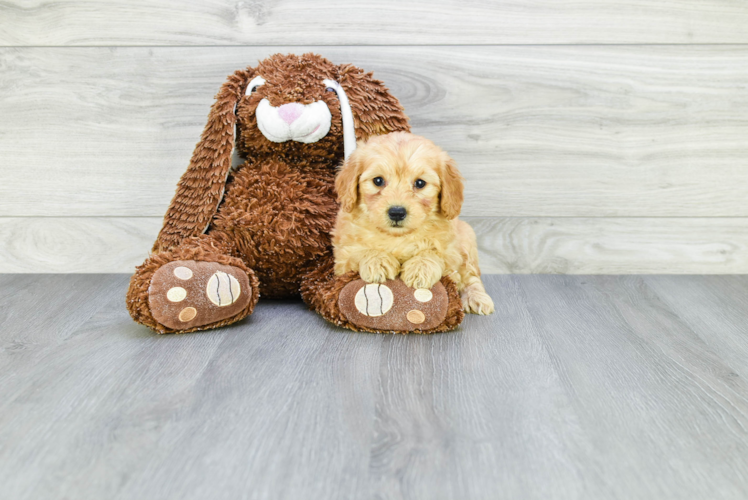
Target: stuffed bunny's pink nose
[[290, 112]]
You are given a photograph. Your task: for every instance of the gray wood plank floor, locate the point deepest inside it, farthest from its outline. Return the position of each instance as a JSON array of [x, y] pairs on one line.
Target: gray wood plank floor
[[578, 387]]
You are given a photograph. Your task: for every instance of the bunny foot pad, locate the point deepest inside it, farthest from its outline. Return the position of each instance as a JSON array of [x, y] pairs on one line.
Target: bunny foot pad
[[186, 294], [393, 307]]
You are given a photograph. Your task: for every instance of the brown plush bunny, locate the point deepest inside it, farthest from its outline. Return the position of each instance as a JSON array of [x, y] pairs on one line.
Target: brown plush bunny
[[262, 227]]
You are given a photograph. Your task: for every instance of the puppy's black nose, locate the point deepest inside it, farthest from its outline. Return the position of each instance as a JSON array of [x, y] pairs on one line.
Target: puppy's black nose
[[397, 213]]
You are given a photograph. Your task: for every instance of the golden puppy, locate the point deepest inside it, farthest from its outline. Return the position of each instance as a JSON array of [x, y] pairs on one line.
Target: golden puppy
[[400, 196]]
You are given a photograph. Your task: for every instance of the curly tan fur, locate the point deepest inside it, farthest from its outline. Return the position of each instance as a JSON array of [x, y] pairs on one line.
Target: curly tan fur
[[413, 174], [272, 216]]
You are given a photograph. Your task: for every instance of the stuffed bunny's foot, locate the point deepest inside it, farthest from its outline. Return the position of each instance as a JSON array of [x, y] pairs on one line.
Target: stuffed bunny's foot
[[393, 307], [186, 294]]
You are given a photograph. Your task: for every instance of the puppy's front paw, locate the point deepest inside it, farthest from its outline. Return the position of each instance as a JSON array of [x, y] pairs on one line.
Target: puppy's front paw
[[378, 268], [421, 272], [477, 302]]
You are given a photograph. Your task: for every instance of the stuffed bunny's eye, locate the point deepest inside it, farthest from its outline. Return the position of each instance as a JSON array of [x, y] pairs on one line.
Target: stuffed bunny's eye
[[256, 82]]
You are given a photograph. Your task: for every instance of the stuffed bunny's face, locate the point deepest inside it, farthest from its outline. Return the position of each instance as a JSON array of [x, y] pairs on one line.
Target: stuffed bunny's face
[[293, 105]]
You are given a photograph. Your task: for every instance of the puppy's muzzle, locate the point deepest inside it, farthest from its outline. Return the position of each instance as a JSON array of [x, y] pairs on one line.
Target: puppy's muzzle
[[397, 213]]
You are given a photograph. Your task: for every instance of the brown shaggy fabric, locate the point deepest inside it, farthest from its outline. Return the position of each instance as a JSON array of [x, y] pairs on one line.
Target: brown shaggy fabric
[[205, 249], [271, 216], [279, 218], [200, 189]]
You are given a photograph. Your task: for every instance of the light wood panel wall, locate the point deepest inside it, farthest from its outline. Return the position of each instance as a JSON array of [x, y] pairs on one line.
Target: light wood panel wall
[[573, 245], [582, 155], [381, 22]]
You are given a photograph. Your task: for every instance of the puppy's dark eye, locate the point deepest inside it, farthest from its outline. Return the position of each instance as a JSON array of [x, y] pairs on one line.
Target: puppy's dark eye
[[378, 181], [420, 183]]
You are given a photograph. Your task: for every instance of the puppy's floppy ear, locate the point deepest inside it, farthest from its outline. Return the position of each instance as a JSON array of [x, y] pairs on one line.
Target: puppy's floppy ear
[[346, 182], [451, 190], [375, 110], [201, 187]]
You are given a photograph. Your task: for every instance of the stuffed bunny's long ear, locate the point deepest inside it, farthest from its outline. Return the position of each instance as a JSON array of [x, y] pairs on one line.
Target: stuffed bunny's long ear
[[375, 110], [349, 131], [201, 187]]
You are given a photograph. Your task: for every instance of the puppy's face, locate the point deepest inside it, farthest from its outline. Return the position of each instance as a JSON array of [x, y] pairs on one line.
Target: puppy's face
[[397, 182]]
